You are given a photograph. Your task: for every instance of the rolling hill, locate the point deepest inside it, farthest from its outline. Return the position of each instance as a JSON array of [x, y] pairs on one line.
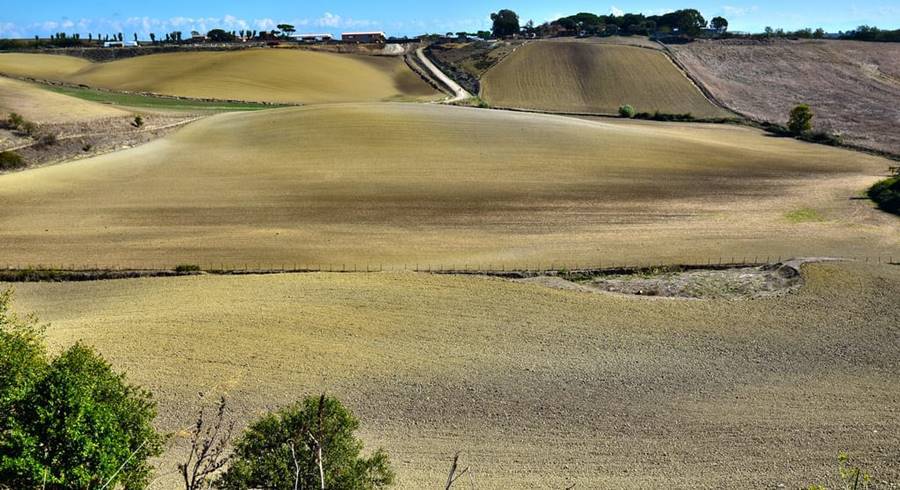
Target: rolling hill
[[282, 186], [590, 77], [43, 106], [265, 75], [853, 87]]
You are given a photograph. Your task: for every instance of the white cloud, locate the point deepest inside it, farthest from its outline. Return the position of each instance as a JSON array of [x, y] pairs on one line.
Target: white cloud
[[331, 20], [616, 11], [738, 11]]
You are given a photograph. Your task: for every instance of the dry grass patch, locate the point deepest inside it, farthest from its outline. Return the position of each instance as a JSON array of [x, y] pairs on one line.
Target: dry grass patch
[[853, 87], [538, 387], [268, 75], [43, 106], [439, 185], [591, 77]]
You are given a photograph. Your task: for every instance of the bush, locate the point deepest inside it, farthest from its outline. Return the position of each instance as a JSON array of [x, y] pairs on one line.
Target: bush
[[14, 121], [29, 128], [48, 139], [69, 422], [10, 160], [800, 120], [138, 122], [282, 449], [626, 111], [187, 268], [887, 195]]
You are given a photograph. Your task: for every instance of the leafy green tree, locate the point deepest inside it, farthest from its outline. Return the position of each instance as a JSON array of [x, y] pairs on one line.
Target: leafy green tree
[[69, 422], [626, 111], [286, 29], [887, 194], [506, 23], [800, 120], [220, 36], [719, 23], [308, 445]]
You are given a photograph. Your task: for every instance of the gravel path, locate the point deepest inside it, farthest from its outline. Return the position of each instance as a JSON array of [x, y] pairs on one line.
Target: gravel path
[[460, 93]]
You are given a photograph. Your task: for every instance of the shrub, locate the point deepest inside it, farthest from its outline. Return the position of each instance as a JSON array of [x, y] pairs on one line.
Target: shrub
[[187, 268], [282, 451], [48, 139], [800, 120], [138, 122], [29, 128], [10, 160], [626, 111], [887, 195], [15, 121], [70, 422]]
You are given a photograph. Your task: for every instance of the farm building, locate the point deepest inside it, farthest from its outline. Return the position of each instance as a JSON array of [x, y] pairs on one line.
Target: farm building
[[120, 44], [313, 38], [364, 37]]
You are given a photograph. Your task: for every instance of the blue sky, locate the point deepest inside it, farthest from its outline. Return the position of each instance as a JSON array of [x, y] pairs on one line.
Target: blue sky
[[399, 17]]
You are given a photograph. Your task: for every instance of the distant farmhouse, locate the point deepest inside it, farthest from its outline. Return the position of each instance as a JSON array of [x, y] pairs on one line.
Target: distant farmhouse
[[364, 37], [313, 38], [120, 44]]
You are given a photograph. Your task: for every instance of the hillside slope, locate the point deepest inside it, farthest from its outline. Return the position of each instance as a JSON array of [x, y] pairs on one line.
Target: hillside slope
[[270, 75], [591, 77], [853, 87], [281, 186], [43, 106]]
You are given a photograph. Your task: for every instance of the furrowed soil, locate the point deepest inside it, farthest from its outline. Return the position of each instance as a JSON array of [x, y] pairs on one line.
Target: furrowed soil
[[853, 87], [593, 77], [536, 387], [439, 186], [264, 75]]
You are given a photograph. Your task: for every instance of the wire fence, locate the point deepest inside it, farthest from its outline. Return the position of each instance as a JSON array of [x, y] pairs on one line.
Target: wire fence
[[26, 272]]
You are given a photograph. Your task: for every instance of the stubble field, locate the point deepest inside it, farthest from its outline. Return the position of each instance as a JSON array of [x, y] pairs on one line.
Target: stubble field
[[287, 187], [853, 87], [591, 77], [537, 387], [268, 75]]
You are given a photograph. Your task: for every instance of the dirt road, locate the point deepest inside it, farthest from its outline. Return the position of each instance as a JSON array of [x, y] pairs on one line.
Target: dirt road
[[459, 93]]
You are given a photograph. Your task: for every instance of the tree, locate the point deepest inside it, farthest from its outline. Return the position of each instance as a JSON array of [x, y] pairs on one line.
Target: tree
[[819, 33], [719, 23], [70, 422], [14, 121], [153, 38], [219, 36], [209, 443], [307, 445], [626, 111], [121, 37], [506, 23], [800, 120], [286, 29]]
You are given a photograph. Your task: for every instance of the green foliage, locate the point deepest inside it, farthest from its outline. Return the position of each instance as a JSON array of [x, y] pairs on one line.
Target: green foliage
[[187, 268], [15, 121], [29, 128], [10, 160], [887, 195], [800, 120], [280, 446], [852, 476], [221, 36], [719, 23], [627, 111], [505, 23], [70, 422]]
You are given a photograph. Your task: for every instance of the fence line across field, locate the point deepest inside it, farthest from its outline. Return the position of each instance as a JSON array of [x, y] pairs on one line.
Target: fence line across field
[[437, 267]]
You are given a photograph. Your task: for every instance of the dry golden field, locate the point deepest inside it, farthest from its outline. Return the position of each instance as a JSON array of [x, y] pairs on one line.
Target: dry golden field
[[407, 184], [853, 87], [267, 75], [590, 77], [42, 106], [537, 387]]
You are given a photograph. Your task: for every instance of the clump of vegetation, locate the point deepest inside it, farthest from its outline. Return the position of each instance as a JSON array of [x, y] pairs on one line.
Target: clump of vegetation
[[887, 194], [627, 111], [29, 128], [852, 476], [68, 421], [187, 268], [10, 160], [14, 121], [800, 121], [47, 139], [662, 116], [805, 215], [138, 121], [308, 445]]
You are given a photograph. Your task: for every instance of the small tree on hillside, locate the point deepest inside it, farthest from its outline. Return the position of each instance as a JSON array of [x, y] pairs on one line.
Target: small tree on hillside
[[800, 120], [286, 29], [69, 422], [626, 111], [506, 23], [719, 23], [308, 445]]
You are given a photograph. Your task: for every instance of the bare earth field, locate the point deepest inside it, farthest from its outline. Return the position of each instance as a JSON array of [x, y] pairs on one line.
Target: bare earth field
[[591, 77], [283, 187], [266, 75], [853, 87], [537, 387]]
